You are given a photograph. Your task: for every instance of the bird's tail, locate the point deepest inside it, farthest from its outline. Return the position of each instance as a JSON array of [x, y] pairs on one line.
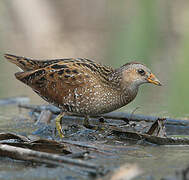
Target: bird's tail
[[25, 64]]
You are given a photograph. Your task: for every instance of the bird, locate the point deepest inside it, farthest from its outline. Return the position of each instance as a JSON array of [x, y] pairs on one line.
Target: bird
[[82, 86]]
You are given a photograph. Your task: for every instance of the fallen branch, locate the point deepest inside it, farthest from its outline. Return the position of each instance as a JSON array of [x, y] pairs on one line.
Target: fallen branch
[[125, 135], [113, 115], [42, 157]]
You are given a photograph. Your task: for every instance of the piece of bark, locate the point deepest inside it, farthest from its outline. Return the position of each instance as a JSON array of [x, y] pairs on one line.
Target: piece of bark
[[158, 128], [8, 136]]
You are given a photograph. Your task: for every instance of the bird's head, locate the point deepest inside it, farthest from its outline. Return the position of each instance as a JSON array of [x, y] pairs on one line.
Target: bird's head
[[134, 74]]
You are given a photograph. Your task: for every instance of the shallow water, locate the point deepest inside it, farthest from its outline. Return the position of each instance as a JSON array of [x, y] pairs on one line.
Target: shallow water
[[156, 161]]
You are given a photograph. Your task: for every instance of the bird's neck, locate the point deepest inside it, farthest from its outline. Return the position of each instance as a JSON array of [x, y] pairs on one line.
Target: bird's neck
[[127, 92]]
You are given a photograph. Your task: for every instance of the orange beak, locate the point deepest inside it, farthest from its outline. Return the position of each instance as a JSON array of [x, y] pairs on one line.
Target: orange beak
[[152, 79]]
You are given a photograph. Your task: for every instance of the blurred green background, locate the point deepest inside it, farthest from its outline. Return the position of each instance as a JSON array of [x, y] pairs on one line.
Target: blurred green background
[[155, 33]]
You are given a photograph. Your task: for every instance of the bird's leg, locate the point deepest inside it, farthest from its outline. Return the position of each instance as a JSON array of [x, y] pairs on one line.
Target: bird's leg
[[101, 125], [89, 126], [58, 125], [86, 123], [101, 120]]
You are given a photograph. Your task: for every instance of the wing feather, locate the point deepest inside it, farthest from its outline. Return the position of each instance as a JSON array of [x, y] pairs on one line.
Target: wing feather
[[55, 82]]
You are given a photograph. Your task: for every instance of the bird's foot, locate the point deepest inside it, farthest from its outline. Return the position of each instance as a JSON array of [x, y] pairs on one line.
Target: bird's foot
[[58, 125], [99, 127]]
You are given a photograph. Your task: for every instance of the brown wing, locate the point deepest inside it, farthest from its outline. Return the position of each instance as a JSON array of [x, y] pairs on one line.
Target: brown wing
[[57, 83], [29, 64]]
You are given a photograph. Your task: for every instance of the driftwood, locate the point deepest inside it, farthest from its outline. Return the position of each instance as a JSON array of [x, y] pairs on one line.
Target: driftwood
[[51, 146], [180, 125], [113, 115], [156, 135], [124, 172], [48, 158], [173, 126], [125, 135], [50, 152]]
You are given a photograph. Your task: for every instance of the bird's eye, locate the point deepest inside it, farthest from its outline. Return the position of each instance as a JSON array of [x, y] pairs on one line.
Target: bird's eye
[[141, 72]]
